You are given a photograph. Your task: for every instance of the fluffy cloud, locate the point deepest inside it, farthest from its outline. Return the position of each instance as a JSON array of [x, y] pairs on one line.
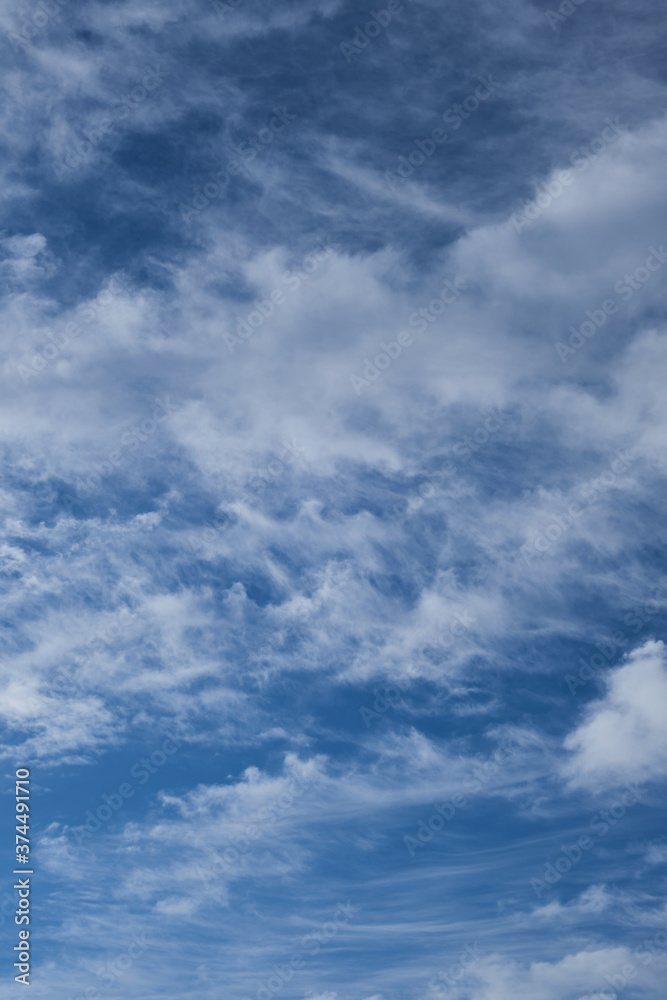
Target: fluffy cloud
[[624, 736], [584, 974], [371, 589]]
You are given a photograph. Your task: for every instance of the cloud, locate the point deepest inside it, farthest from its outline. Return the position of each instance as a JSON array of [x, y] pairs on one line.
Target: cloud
[[582, 974], [656, 854], [342, 602], [623, 736], [593, 901]]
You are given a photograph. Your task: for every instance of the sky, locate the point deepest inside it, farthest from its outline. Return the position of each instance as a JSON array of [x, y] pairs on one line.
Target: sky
[[333, 557]]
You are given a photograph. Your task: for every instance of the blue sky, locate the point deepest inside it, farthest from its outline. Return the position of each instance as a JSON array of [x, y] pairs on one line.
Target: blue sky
[[334, 420]]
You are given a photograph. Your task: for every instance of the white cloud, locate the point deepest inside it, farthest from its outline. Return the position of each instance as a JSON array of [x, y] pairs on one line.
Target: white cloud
[[624, 736], [581, 975], [593, 901], [236, 410], [656, 854]]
